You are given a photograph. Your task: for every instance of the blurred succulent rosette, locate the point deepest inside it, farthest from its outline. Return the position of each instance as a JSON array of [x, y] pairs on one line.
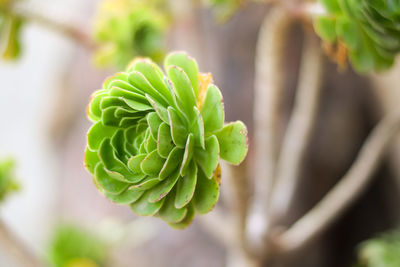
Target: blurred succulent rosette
[[74, 246], [383, 250], [8, 183], [128, 28], [10, 31], [369, 31], [157, 139]]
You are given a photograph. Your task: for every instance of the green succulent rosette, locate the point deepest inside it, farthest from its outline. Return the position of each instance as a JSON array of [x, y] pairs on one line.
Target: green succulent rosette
[[74, 246], [383, 250], [128, 28], [369, 29], [10, 31], [8, 183], [157, 139]]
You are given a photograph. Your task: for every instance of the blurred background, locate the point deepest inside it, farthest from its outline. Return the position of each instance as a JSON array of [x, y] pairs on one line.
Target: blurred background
[[43, 121]]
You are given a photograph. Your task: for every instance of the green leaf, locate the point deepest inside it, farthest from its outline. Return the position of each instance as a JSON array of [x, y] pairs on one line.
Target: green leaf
[[183, 89], [326, 28], [206, 194], [108, 183], [179, 132], [232, 141], [187, 64], [153, 75], [212, 110], [13, 47], [208, 158], [164, 140], [97, 133], [198, 129], [163, 188], [152, 164], [174, 159], [186, 187], [187, 220], [91, 160], [170, 213], [127, 197], [146, 183], [187, 157], [143, 207]]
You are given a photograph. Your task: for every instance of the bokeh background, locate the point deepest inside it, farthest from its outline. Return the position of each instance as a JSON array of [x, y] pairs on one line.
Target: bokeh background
[[43, 125]]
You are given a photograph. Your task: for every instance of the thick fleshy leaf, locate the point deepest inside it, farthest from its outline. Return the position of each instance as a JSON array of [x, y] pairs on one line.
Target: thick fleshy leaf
[[186, 187], [143, 207], [173, 161], [138, 80], [127, 197], [179, 132], [187, 157], [152, 164], [183, 89], [188, 64], [146, 183], [108, 183], [154, 123], [134, 163], [97, 133], [164, 140], [163, 188], [169, 212], [207, 158], [207, 192], [159, 108], [233, 142], [152, 74], [212, 110], [187, 220], [198, 129], [91, 160]]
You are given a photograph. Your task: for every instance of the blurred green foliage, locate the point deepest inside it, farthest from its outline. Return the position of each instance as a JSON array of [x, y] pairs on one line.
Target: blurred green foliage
[[383, 251], [8, 182], [369, 29], [10, 32], [224, 9], [73, 246], [128, 28]]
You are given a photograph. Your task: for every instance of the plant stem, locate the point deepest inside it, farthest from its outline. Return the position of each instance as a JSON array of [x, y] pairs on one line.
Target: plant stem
[[346, 192], [273, 34], [15, 248], [72, 32], [299, 131]]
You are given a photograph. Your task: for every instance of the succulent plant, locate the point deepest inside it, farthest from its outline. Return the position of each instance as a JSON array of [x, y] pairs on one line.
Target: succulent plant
[[128, 28], [74, 246], [369, 30], [224, 9], [156, 140], [8, 183], [381, 251], [10, 31]]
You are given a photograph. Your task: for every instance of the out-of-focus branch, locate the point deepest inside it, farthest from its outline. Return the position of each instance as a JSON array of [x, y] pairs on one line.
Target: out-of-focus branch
[[15, 249], [236, 181], [220, 226], [268, 93], [299, 131], [345, 193], [72, 32]]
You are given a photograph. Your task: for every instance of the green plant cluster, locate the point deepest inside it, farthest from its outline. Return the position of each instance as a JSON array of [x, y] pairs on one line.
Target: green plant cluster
[[383, 251], [128, 28], [224, 9], [369, 29], [157, 139], [8, 183], [10, 31], [73, 246]]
